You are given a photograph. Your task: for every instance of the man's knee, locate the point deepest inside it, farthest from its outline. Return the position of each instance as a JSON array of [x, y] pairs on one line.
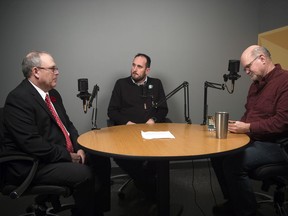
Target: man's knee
[[83, 173]]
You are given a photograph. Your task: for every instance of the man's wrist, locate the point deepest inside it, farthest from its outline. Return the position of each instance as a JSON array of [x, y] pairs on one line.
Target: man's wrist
[[249, 128]]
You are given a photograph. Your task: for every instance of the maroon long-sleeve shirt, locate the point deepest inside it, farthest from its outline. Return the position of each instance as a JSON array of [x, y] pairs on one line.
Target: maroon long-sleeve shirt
[[267, 106]]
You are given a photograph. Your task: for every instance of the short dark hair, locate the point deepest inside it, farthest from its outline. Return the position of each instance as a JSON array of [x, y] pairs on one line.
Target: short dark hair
[[148, 59]]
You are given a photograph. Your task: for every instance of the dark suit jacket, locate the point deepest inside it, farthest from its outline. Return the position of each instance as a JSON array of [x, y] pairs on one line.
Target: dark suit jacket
[[29, 126]]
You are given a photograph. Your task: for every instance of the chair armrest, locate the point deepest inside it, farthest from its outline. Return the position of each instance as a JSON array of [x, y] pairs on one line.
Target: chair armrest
[[9, 157]]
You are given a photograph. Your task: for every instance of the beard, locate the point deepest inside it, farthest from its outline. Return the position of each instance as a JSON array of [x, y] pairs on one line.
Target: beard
[[255, 77], [138, 78]]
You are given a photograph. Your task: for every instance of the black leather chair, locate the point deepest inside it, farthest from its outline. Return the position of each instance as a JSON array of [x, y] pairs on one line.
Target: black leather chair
[[44, 194], [273, 175]]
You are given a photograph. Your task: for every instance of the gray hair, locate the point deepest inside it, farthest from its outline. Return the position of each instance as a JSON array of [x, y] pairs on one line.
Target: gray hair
[[261, 51], [31, 60]]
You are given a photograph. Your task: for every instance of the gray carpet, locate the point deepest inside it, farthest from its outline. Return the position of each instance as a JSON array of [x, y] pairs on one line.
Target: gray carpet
[[195, 190], [193, 187]]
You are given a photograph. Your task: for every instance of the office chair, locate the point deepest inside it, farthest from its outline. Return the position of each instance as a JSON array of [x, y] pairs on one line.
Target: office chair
[[273, 175], [126, 177], [44, 193], [121, 193]]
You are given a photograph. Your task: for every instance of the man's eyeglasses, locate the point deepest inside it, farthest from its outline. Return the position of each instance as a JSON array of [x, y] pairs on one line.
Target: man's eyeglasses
[[52, 69], [247, 67]]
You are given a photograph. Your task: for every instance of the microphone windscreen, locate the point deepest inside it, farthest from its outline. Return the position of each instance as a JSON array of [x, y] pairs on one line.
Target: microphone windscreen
[[233, 66], [83, 85]]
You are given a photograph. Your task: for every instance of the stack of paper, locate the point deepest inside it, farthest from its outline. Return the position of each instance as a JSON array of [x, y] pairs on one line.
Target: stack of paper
[[157, 135]]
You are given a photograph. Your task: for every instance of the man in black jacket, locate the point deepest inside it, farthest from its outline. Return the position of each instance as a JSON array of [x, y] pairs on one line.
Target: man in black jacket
[[137, 99], [46, 132]]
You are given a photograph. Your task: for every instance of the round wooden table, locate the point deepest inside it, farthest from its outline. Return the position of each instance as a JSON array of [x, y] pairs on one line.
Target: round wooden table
[[191, 142]]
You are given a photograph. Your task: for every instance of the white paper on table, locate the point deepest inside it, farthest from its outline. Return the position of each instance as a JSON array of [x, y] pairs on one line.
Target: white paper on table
[[157, 135]]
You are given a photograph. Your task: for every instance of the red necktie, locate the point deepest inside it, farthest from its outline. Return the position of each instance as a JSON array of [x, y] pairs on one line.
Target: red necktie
[[69, 145]]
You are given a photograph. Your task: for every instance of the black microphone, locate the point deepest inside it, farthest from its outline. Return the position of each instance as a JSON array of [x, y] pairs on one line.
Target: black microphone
[[84, 94], [233, 68], [93, 95]]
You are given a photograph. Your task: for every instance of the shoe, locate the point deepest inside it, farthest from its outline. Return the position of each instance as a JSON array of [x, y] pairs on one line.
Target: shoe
[[224, 209]]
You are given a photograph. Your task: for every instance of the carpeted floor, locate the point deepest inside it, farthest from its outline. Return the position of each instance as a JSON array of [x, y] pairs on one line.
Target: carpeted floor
[[193, 188]]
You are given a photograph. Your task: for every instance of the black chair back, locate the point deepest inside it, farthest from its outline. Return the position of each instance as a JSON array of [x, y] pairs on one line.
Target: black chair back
[[1, 128], [1, 146]]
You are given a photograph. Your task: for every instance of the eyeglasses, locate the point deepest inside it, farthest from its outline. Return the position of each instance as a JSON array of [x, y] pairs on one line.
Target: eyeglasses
[[52, 69], [247, 67]]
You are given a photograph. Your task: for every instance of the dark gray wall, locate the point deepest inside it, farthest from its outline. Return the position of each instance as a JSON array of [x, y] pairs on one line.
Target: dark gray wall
[[272, 15], [188, 40]]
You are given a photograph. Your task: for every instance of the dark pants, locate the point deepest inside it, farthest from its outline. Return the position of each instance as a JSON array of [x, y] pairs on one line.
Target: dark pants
[[90, 183], [232, 173], [101, 167], [76, 176]]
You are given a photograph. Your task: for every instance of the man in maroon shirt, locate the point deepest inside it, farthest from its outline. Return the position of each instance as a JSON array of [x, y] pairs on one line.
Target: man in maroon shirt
[[265, 121]]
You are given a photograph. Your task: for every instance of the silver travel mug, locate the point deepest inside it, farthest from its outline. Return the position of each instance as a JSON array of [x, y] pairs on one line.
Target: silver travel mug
[[221, 124]]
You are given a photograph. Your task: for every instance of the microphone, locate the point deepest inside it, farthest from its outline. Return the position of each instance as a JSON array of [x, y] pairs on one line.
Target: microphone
[[233, 68], [93, 95], [84, 94], [83, 85], [84, 105]]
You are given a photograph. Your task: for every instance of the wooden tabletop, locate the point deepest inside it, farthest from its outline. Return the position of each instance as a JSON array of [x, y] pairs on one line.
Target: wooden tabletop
[[191, 141]]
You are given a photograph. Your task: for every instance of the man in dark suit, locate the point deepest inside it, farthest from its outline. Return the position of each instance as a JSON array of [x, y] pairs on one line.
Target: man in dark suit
[[31, 127]]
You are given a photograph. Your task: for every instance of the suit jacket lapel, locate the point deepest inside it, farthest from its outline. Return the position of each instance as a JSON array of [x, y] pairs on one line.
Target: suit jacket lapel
[[38, 98]]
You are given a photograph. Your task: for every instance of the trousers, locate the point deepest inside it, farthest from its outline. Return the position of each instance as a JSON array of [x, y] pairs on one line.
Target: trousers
[[232, 172], [90, 183], [79, 177]]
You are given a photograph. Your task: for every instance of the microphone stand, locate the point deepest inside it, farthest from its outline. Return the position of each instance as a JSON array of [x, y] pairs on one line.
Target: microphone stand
[[233, 68], [184, 85], [95, 110], [211, 85]]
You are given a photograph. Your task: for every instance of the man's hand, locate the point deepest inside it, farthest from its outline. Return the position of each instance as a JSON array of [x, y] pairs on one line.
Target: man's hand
[[238, 127], [129, 123], [150, 121], [78, 157]]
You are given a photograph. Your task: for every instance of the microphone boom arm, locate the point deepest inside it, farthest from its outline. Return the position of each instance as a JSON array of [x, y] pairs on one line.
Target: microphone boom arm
[[233, 68], [184, 85], [211, 85], [95, 110], [93, 95]]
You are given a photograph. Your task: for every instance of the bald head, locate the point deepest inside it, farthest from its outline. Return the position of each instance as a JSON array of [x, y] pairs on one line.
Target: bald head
[[254, 51], [256, 61]]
